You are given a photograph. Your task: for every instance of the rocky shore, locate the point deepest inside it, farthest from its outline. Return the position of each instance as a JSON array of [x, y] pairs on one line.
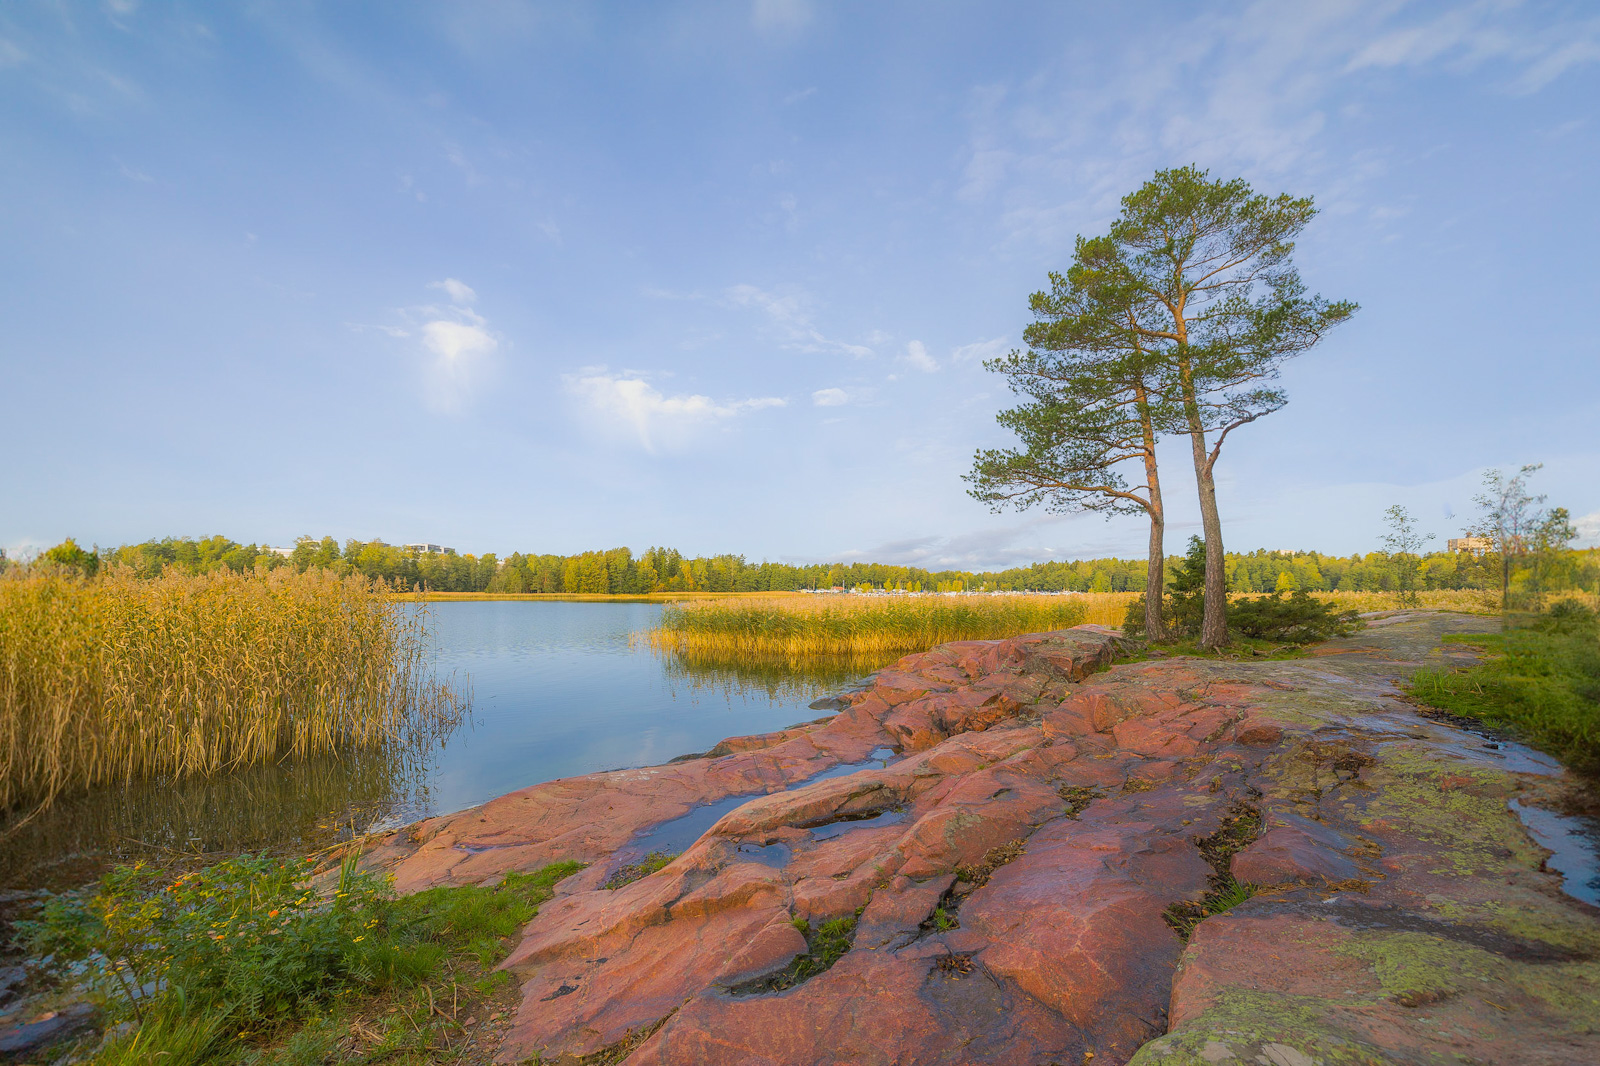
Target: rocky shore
[[1005, 852]]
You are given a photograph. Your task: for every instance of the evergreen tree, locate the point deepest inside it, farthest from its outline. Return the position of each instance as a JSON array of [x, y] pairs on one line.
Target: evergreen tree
[[1218, 300]]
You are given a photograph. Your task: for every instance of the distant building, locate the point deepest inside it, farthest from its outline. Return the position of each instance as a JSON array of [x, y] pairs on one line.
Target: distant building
[[429, 549], [1470, 544], [285, 552]]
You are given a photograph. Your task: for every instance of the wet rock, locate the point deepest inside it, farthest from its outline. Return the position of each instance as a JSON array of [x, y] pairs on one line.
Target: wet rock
[[12, 978], [52, 1028], [1296, 849]]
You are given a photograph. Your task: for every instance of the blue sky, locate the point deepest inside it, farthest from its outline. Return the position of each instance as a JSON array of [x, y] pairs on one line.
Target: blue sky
[[551, 277]]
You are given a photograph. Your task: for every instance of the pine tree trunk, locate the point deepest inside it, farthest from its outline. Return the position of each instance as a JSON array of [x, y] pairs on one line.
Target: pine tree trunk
[[1214, 629], [1155, 579], [1214, 626], [1155, 573]]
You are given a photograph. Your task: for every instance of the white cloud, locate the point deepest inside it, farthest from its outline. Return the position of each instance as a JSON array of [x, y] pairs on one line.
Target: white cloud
[[830, 397], [1588, 529], [780, 15], [917, 356], [10, 54], [978, 351], [639, 410], [455, 342], [460, 292], [453, 345]]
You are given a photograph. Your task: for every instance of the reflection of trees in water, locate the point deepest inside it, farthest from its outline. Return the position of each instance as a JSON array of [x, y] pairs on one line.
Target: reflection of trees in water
[[300, 805], [779, 678]]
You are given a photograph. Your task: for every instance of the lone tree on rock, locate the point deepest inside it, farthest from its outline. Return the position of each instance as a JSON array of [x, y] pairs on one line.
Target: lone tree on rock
[[1205, 269], [1092, 405]]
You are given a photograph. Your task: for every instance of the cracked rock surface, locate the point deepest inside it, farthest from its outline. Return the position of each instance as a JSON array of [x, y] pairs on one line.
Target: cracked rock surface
[[1011, 868]]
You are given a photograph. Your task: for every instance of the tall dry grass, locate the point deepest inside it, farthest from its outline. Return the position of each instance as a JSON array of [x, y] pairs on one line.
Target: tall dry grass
[[117, 678], [860, 629]]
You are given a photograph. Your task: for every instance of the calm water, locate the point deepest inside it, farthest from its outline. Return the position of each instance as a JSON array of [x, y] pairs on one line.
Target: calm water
[[557, 689]]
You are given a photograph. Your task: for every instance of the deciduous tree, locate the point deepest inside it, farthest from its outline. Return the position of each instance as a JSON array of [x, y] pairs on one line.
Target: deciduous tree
[[1402, 543]]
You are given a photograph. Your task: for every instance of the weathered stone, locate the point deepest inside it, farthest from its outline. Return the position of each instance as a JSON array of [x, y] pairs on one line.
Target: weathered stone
[[1408, 920], [1295, 849]]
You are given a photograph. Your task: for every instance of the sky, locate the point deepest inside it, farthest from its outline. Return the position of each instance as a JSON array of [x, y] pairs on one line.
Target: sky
[[552, 277]]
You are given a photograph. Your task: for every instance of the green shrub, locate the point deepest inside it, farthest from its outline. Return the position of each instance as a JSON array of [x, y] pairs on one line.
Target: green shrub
[[1301, 619], [1298, 620], [251, 939]]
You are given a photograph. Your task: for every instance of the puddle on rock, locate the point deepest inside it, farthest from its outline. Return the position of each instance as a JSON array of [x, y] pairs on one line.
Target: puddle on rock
[[1575, 845], [876, 760], [849, 825], [678, 834], [774, 855]]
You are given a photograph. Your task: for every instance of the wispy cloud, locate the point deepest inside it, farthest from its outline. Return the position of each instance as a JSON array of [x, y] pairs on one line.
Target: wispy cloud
[[460, 292], [780, 15], [454, 345], [629, 405], [993, 548], [133, 173], [916, 355], [978, 351], [788, 309], [830, 397], [1248, 90], [1474, 34]]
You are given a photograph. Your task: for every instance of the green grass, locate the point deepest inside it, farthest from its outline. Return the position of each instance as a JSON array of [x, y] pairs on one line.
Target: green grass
[[1540, 680], [257, 965], [826, 945]]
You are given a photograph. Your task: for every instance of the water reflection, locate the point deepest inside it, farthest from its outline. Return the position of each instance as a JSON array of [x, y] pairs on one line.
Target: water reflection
[[301, 805], [776, 679], [558, 689]]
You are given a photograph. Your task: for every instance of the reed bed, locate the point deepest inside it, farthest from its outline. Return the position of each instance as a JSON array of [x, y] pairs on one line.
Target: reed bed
[[115, 679], [864, 629], [1468, 601]]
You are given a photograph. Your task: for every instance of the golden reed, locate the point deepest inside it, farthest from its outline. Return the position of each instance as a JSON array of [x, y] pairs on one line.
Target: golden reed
[[801, 627], [110, 679]]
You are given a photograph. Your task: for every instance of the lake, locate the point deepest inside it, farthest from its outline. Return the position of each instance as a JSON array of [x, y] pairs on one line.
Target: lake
[[557, 689]]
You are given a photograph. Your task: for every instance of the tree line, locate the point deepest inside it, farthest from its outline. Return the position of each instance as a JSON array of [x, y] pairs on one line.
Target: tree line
[[619, 571]]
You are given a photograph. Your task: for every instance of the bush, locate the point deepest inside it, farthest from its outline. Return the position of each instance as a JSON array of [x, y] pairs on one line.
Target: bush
[[1300, 619], [1297, 620], [248, 934], [252, 940]]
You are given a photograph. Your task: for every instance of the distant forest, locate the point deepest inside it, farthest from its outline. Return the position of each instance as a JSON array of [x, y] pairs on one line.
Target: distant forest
[[620, 571]]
